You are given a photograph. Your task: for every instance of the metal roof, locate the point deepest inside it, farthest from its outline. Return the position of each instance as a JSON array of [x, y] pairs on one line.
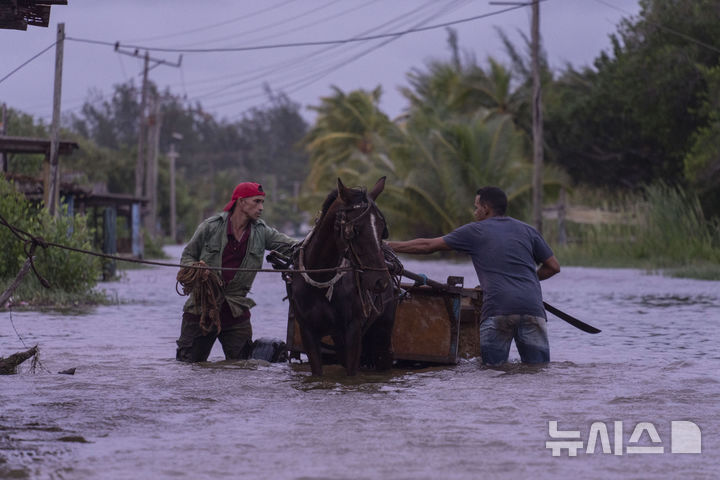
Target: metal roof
[[18, 14]]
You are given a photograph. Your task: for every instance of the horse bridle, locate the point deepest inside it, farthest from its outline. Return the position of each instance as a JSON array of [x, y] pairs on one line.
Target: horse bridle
[[350, 260], [348, 230]]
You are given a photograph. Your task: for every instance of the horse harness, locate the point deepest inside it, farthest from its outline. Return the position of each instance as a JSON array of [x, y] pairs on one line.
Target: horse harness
[[349, 260]]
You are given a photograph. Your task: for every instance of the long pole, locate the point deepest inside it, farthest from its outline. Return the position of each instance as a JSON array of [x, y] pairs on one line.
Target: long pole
[[537, 119], [140, 165], [3, 156], [52, 193], [172, 155], [151, 174]]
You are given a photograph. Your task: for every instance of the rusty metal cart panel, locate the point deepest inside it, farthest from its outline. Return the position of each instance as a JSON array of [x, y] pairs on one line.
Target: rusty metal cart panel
[[427, 326]]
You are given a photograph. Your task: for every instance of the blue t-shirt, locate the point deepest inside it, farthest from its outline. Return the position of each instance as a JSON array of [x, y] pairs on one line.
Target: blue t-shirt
[[505, 253]]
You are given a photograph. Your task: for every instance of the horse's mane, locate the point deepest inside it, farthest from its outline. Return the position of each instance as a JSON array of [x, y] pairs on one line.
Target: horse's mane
[[357, 195]]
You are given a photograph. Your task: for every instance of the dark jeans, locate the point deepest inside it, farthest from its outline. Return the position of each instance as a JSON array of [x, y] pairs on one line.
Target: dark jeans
[[194, 346], [529, 333]]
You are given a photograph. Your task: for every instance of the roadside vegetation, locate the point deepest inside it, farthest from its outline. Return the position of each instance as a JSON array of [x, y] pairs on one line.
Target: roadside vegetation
[[665, 230], [72, 276]]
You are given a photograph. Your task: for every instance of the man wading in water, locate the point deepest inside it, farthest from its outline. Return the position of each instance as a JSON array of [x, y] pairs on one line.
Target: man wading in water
[[235, 238], [505, 253]]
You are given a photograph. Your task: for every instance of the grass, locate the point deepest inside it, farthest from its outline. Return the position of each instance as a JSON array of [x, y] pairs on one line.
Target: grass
[[32, 296], [671, 235]]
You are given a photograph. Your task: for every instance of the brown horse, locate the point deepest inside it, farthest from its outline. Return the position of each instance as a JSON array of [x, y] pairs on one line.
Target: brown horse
[[354, 302]]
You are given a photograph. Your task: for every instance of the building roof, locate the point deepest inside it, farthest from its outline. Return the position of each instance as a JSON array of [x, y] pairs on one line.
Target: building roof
[[18, 14], [9, 144]]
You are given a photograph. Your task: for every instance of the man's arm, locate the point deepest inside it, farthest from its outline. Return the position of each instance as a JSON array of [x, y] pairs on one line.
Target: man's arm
[[548, 268], [420, 245]]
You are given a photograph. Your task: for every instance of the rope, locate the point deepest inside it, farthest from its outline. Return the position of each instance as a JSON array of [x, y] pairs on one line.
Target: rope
[[205, 288], [33, 240]]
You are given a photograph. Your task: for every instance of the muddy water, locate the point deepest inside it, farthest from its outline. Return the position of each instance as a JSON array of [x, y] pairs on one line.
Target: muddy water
[[131, 411]]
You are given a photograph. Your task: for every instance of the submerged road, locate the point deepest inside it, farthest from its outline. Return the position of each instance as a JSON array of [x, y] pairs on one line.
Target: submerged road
[[132, 412]]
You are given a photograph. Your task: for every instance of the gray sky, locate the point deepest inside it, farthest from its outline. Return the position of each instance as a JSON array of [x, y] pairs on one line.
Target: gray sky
[[229, 83]]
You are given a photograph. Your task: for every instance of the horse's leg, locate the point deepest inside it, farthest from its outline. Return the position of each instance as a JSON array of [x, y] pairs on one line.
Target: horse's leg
[[353, 347], [311, 342], [382, 348], [339, 344]]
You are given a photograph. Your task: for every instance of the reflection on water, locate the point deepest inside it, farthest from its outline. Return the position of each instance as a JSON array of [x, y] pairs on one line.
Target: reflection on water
[[132, 411]]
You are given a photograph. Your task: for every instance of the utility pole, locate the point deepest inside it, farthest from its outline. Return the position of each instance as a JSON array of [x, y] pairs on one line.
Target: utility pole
[[51, 191], [143, 174], [140, 164], [151, 175], [142, 130], [537, 114], [537, 119], [3, 131], [172, 156]]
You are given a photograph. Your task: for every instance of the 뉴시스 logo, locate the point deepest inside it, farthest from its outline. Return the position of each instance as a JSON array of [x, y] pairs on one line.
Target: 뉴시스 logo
[[685, 437]]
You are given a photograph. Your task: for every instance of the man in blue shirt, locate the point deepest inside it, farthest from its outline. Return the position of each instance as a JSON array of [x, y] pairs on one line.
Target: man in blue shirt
[[505, 253]]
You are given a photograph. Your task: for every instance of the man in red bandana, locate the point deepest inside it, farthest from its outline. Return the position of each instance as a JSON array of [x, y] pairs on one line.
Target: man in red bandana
[[235, 238]]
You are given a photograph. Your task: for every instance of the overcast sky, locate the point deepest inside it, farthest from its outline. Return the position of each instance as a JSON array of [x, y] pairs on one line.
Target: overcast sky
[[229, 83]]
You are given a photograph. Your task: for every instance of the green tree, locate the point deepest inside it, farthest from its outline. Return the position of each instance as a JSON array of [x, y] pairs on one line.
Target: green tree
[[440, 170], [350, 139], [630, 120]]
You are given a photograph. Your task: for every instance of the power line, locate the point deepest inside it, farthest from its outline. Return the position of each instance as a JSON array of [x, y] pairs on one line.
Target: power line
[[282, 65], [302, 62], [214, 25], [319, 21], [28, 61], [301, 44], [268, 26], [667, 29], [312, 78]]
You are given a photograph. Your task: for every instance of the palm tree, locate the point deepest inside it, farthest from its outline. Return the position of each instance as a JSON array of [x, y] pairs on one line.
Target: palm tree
[[439, 172], [349, 140]]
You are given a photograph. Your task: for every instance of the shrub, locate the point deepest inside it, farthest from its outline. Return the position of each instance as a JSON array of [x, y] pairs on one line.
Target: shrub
[[66, 271]]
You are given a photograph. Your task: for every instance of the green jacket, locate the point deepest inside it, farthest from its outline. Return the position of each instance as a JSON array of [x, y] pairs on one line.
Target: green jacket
[[208, 243]]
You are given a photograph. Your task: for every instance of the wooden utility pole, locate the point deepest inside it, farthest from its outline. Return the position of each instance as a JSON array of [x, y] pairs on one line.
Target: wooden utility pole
[[52, 175], [147, 148], [3, 131], [151, 175], [537, 119], [140, 164], [172, 156], [142, 130]]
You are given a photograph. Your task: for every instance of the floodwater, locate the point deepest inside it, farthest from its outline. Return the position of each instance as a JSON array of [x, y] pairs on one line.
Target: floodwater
[[132, 412]]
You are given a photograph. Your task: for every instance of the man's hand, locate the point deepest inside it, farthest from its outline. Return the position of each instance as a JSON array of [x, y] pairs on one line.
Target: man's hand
[[548, 268]]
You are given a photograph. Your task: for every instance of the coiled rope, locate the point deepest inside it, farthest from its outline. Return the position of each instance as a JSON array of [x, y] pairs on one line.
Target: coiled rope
[[204, 286]]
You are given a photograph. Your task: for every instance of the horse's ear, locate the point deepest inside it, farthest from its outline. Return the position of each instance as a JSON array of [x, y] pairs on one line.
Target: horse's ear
[[342, 191], [378, 188]]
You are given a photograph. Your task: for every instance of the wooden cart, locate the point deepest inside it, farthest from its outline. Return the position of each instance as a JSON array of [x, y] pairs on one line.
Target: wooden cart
[[433, 324]]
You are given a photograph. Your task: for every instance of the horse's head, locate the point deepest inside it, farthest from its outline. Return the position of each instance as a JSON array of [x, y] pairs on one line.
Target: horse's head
[[360, 228]]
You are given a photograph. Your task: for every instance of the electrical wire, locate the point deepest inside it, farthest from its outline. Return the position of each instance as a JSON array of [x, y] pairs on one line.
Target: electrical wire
[[284, 65], [214, 25], [300, 44], [667, 29], [317, 22], [28, 61], [302, 62], [267, 26], [314, 77]]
